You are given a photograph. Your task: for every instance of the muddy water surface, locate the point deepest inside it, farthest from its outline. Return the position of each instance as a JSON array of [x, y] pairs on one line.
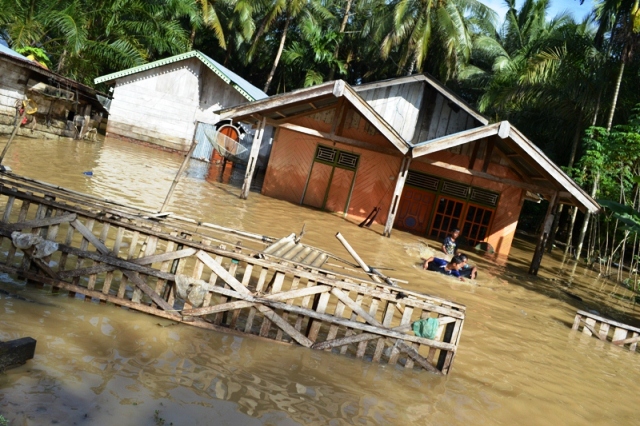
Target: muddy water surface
[[518, 362]]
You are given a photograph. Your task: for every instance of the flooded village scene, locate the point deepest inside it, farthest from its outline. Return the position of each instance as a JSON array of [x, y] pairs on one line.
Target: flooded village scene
[[319, 212]]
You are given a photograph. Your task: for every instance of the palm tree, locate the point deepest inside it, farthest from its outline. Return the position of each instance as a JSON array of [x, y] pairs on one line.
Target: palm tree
[[415, 26]]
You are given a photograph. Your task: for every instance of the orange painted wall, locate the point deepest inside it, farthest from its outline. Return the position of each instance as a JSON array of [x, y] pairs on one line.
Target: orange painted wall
[[291, 159]]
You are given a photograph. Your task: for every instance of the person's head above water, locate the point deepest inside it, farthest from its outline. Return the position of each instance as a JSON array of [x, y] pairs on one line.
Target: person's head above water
[[455, 263]]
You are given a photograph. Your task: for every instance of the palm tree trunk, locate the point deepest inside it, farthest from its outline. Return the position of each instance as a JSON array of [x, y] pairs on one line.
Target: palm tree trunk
[[192, 37], [277, 59], [343, 25], [587, 216], [412, 66], [615, 96]]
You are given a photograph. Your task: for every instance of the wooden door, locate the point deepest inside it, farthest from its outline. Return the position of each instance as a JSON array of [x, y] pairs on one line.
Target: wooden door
[[339, 189], [414, 210], [447, 216], [316, 191]]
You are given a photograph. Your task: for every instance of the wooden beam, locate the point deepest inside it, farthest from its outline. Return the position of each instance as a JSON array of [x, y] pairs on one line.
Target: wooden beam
[[544, 234], [450, 141], [306, 113], [337, 139], [39, 223], [273, 102], [549, 167], [397, 193], [474, 154], [475, 173], [487, 155], [253, 157]]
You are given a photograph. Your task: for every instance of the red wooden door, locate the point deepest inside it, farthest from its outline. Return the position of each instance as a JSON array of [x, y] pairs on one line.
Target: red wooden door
[[414, 210]]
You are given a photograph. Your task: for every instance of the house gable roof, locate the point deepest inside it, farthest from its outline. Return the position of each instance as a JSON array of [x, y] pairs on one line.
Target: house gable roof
[[246, 89], [441, 88], [308, 100], [523, 155]]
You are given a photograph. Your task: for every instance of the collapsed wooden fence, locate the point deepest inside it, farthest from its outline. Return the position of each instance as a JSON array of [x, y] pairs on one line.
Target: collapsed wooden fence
[[189, 273], [607, 330]]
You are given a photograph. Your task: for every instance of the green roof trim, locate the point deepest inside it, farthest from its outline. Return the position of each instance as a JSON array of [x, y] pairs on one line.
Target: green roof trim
[[246, 89]]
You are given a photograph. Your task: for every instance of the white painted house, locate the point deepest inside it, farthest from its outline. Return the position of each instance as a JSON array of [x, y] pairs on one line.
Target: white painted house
[[161, 103]]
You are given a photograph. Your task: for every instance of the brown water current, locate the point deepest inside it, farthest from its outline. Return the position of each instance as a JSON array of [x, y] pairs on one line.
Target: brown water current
[[518, 361]]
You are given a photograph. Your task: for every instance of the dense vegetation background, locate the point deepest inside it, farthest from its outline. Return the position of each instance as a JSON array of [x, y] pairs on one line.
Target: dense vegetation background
[[552, 77]]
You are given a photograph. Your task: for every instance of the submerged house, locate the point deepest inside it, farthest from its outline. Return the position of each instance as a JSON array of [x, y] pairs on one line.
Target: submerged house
[[65, 108], [411, 149], [161, 103]]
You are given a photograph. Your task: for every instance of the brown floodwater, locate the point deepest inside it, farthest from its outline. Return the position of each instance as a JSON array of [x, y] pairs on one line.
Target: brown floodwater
[[517, 363]]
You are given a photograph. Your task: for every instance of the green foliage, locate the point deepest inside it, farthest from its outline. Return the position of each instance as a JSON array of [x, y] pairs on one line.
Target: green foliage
[[3, 421], [36, 53]]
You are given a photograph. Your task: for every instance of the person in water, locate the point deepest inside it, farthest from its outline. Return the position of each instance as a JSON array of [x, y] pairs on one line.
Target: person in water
[[449, 245], [467, 271], [451, 267]]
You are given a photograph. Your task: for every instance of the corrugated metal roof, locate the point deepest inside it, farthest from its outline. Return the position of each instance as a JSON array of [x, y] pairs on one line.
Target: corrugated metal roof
[[8, 51], [245, 88]]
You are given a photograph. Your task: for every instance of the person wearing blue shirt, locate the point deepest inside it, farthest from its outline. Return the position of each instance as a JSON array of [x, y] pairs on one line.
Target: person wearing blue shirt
[[443, 266]]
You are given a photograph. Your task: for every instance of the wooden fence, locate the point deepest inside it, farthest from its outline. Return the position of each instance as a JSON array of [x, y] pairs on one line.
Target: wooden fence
[[184, 271], [607, 330]]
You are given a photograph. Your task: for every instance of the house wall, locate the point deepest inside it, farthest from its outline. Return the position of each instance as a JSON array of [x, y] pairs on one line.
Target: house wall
[[509, 206], [160, 106], [51, 117], [291, 160]]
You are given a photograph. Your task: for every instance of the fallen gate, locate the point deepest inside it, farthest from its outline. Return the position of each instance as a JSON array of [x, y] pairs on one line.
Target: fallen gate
[[184, 271]]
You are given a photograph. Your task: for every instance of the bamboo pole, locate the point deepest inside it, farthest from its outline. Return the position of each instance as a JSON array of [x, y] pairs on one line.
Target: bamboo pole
[[183, 166]]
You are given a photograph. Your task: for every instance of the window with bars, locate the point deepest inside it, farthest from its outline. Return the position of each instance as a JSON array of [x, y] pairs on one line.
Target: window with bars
[[336, 157]]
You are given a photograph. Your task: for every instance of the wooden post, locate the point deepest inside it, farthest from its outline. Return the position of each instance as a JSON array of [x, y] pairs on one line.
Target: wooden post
[[183, 166], [13, 134], [253, 156], [542, 240], [395, 200]]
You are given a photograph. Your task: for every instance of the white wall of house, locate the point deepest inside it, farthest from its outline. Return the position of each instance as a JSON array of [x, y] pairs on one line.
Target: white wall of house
[[160, 106]]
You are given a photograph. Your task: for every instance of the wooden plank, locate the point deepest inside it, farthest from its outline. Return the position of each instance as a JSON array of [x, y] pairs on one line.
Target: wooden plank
[[39, 223], [114, 252], [259, 287], [404, 321], [246, 278], [253, 158], [619, 334], [397, 193], [386, 322], [417, 358], [316, 325]]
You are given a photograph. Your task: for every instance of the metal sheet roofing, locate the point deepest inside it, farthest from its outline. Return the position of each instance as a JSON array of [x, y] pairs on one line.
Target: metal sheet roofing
[[8, 51], [246, 89]]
